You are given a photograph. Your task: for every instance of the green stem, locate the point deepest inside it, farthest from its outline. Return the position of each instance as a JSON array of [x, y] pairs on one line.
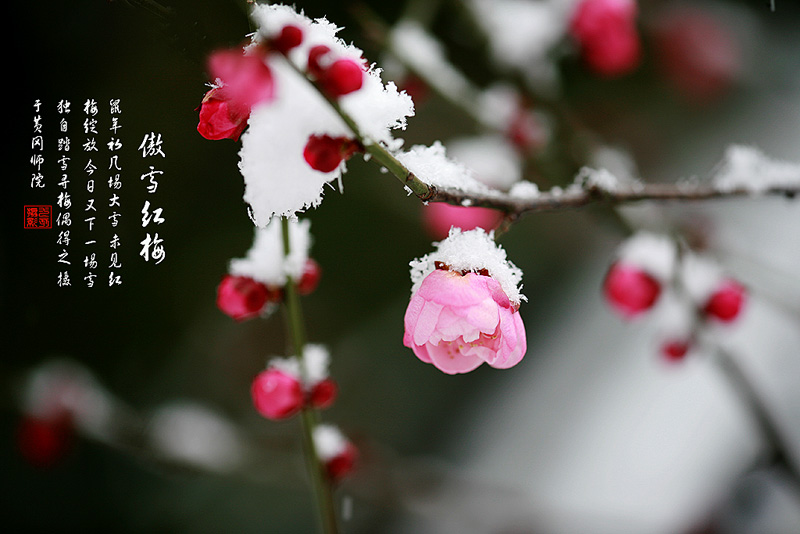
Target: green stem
[[323, 492]]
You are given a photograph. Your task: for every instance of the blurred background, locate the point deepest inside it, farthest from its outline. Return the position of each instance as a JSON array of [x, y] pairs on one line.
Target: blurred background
[[592, 432]]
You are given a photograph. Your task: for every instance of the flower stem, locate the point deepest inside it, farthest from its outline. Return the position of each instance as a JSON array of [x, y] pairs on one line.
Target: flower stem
[[323, 492]]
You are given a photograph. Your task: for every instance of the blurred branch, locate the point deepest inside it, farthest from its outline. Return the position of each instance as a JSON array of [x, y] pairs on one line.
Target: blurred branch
[[748, 393]]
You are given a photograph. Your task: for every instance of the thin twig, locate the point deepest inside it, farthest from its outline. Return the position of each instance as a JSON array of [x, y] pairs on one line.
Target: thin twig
[[323, 492]]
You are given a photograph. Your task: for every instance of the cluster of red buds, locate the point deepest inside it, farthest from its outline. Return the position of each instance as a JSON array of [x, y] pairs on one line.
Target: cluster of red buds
[[245, 80], [288, 386], [242, 297], [279, 393], [646, 269]]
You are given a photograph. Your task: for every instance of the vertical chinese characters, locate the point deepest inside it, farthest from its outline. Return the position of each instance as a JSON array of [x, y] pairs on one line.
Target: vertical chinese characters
[[152, 245], [64, 200], [114, 186]]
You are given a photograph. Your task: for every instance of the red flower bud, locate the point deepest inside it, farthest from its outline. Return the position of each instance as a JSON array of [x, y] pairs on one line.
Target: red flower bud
[[726, 302], [606, 33], [242, 298], [316, 63], [247, 80], [289, 37], [675, 350], [309, 280], [343, 463], [220, 117], [343, 77], [276, 395], [324, 153], [44, 442], [525, 132], [697, 53], [629, 290], [323, 394]]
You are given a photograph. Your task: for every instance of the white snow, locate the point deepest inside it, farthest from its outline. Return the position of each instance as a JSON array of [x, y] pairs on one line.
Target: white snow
[[431, 165], [278, 181], [265, 261], [63, 386], [474, 251], [745, 167], [493, 160], [653, 253], [701, 276], [328, 441], [194, 434]]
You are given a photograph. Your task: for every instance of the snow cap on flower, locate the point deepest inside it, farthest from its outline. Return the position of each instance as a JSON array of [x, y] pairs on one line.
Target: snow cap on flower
[[463, 310], [473, 251], [278, 180], [329, 441], [265, 261], [314, 366], [316, 359], [701, 276], [376, 107], [338, 455], [653, 253]]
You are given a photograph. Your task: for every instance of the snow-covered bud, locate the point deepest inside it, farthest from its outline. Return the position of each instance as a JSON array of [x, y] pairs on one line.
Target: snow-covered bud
[[309, 280], [630, 290], [325, 153], [289, 37], [343, 77], [277, 393], [645, 262], [242, 298], [726, 302], [318, 60], [713, 293], [60, 397], [338, 77], [606, 33], [323, 393], [336, 453]]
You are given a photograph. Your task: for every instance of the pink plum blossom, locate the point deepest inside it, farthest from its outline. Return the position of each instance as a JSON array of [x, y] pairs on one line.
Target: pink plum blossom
[[458, 321]]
